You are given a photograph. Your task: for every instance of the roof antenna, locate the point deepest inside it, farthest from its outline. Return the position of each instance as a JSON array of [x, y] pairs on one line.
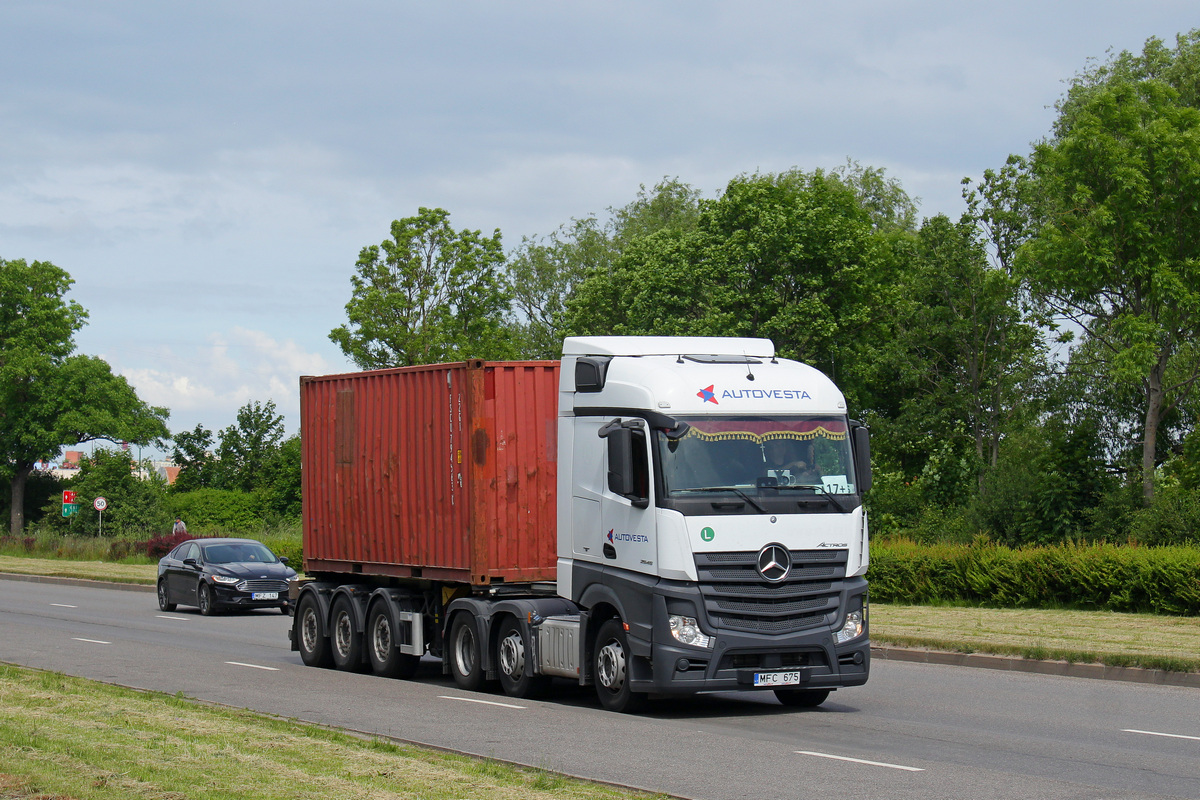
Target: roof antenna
[[749, 374], [679, 358]]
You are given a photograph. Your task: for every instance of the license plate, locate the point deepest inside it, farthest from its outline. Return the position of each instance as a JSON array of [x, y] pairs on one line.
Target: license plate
[[265, 596], [777, 678]]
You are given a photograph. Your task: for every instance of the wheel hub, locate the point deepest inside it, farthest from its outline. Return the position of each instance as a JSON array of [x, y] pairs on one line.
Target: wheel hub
[[611, 666]]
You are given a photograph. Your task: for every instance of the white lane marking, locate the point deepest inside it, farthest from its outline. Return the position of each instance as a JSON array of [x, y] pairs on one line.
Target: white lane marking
[[89, 641], [860, 761], [164, 616], [482, 702], [252, 666], [62, 605], [1156, 733]]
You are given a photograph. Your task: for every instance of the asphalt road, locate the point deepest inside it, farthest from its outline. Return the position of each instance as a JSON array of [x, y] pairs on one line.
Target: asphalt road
[[914, 731]]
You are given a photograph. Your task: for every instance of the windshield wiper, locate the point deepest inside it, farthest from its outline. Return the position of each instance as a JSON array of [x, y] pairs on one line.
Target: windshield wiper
[[733, 489]]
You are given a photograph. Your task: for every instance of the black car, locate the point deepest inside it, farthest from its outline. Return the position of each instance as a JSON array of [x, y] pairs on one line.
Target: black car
[[223, 573]]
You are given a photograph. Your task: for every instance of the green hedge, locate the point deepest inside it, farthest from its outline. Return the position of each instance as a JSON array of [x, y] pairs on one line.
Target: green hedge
[[1161, 580]]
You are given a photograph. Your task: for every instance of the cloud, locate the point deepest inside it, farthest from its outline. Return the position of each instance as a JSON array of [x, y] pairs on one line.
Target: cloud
[[207, 385]]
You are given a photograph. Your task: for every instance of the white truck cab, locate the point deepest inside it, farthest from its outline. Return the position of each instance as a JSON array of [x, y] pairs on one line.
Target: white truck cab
[[711, 500]]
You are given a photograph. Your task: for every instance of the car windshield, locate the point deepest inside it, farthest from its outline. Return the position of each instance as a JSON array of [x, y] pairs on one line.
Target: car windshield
[[238, 553], [763, 455]]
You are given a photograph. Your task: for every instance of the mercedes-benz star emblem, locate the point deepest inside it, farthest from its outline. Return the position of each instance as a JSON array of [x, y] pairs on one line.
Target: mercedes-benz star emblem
[[774, 562]]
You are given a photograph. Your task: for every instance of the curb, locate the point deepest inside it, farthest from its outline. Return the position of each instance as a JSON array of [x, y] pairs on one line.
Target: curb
[[1066, 669]]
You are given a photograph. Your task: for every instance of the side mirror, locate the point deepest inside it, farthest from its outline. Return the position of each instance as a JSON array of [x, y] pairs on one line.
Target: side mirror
[[622, 467], [620, 462], [862, 457], [191, 562], [283, 559]]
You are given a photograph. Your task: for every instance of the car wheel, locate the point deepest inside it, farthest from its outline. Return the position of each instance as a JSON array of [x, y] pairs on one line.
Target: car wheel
[[512, 656], [204, 599], [163, 603], [466, 664], [310, 633], [382, 638], [344, 639], [612, 670], [802, 698]]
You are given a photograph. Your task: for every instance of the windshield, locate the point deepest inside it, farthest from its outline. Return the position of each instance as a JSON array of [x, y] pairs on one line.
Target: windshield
[[758, 455], [238, 553]]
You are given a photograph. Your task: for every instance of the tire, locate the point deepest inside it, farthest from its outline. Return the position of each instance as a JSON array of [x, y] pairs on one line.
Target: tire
[[381, 636], [466, 662], [204, 599], [802, 698], [163, 603], [611, 669], [310, 633], [513, 652], [344, 641]]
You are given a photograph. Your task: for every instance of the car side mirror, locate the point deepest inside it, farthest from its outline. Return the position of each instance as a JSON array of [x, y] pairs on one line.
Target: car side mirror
[[283, 559], [191, 562]]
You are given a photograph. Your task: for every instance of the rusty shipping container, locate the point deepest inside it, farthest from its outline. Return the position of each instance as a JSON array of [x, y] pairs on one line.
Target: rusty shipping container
[[444, 472]]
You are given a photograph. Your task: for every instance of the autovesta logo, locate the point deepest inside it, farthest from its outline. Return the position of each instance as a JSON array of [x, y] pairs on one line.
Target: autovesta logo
[[774, 562], [708, 395]]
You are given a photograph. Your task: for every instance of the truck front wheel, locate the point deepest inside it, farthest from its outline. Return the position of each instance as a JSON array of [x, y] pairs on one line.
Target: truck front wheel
[[512, 653], [386, 658], [612, 670], [310, 634]]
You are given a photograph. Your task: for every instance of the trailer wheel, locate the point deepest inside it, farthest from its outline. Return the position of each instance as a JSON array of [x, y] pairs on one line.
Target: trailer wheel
[[344, 639], [512, 654], [802, 698], [612, 670], [386, 659], [310, 633], [466, 664]]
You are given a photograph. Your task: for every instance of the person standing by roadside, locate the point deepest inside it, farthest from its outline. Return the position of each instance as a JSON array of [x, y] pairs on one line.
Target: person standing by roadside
[[179, 526]]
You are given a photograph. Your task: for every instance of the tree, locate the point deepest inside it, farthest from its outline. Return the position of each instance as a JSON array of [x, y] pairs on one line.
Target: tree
[[48, 396], [248, 446], [134, 505], [796, 257], [545, 273], [1117, 248], [427, 294], [193, 455]]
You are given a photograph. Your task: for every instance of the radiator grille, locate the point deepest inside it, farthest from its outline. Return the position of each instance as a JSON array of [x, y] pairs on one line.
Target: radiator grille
[[737, 597]]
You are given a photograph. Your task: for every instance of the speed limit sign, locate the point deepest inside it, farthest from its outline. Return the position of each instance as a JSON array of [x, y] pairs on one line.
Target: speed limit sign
[[99, 504]]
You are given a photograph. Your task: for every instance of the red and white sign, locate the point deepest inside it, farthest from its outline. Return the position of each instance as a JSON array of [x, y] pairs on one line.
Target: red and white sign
[[99, 504], [68, 496]]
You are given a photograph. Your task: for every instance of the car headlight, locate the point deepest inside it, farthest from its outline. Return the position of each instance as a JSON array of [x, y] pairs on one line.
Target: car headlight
[[687, 631], [852, 629], [224, 579]]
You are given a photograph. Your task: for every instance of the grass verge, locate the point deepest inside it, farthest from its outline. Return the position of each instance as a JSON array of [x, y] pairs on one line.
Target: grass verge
[[72, 739], [1151, 641], [88, 570]]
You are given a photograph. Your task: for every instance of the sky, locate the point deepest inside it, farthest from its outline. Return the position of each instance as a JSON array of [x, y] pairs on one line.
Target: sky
[[208, 172]]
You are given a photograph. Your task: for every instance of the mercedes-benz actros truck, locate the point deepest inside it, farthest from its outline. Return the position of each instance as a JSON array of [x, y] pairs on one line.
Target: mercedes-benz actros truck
[[649, 516]]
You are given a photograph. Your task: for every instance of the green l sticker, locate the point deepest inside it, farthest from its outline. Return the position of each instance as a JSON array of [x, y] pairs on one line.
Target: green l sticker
[[708, 534]]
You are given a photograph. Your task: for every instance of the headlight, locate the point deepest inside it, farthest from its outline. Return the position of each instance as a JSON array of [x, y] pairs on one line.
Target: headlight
[[687, 631], [224, 579], [853, 627]]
